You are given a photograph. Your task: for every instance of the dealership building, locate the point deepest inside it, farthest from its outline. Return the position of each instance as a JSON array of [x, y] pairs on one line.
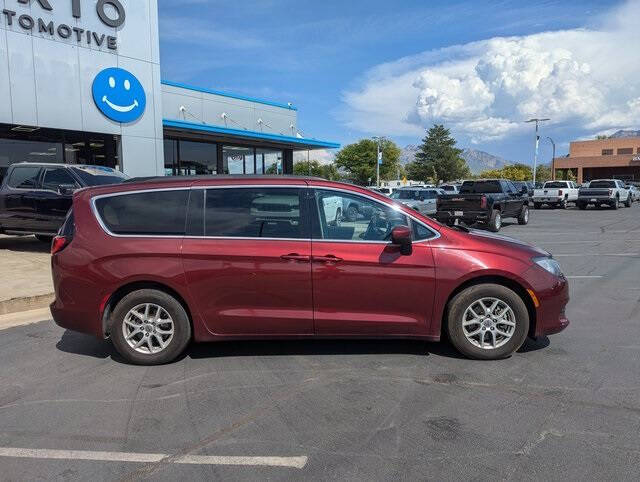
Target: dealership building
[[613, 158], [80, 82]]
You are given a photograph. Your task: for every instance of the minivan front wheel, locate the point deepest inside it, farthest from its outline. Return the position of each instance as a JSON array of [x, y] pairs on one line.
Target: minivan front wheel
[[150, 327], [487, 321]]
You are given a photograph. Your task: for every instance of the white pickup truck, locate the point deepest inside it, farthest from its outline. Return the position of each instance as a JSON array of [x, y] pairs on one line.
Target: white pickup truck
[[601, 192], [556, 194]]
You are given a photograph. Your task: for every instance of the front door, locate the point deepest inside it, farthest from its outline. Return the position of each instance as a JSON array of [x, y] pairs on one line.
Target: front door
[[52, 204], [249, 267], [362, 285]]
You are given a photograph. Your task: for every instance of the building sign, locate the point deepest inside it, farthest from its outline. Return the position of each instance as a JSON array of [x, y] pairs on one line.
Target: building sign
[[119, 95], [110, 12]]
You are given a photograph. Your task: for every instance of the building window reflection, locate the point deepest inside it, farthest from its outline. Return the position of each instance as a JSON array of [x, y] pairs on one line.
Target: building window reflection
[[238, 160], [271, 160]]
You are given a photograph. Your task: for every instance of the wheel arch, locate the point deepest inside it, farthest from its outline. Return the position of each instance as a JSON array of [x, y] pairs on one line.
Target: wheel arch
[[498, 280], [130, 287]]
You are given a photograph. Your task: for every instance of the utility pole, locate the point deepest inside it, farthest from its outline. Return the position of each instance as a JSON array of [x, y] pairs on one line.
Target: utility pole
[[535, 156], [378, 140], [553, 159]]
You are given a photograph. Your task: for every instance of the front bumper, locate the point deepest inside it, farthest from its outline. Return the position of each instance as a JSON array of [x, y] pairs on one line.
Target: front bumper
[[551, 317]]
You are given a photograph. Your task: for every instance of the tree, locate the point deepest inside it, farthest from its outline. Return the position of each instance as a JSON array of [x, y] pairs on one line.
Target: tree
[[518, 172], [438, 158], [314, 168], [359, 160]]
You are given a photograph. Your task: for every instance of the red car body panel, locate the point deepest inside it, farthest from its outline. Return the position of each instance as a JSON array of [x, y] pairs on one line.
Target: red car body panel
[[244, 288]]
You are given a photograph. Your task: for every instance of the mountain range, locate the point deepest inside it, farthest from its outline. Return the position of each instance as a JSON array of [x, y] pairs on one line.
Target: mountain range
[[628, 133], [477, 160]]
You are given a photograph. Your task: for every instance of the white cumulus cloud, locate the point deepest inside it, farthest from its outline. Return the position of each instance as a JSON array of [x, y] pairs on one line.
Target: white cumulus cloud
[[588, 79]]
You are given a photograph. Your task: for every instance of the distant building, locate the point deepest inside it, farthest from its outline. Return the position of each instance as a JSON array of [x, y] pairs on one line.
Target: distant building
[[617, 158]]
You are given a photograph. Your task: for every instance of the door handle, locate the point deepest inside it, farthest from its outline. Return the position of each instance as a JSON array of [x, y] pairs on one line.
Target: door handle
[[295, 257], [329, 258]]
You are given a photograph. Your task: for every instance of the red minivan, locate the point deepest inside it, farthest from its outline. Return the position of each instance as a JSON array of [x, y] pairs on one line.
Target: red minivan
[[156, 263]]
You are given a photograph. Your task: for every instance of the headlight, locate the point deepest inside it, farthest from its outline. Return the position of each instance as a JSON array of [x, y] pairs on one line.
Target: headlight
[[549, 264]]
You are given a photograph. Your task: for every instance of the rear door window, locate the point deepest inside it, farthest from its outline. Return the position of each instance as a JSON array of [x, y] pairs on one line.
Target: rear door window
[[159, 213], [56, 177], [263, 212], [25, 177]]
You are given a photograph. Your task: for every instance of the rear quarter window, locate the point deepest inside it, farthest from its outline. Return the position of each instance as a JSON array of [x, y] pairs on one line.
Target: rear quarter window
[[161, 213], [24, 177]]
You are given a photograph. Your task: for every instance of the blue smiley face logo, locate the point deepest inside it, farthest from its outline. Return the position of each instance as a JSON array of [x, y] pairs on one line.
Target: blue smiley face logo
[[119, 95]]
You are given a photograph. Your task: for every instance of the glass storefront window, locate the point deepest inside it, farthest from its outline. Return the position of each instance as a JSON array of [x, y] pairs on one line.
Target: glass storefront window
[[170, 157], [56, 146], [238, 160], [270, 161], [197, 158]]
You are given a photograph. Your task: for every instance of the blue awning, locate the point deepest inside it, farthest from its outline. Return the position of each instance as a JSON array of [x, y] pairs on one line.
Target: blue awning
[[295, 143]]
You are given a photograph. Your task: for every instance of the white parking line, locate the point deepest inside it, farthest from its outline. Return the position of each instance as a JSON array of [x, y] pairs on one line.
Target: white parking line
[[584, 277], [290, 462]]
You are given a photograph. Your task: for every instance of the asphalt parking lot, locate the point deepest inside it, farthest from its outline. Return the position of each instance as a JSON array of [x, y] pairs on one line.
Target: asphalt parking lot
[[563, 407]]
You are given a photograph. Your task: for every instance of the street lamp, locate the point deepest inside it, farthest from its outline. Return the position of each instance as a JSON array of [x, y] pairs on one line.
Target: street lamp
[[379, 140], [535, 157], [553, 159]]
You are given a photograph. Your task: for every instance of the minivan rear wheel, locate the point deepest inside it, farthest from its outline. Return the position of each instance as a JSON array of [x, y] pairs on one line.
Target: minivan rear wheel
[[487, 321], [150, 327]]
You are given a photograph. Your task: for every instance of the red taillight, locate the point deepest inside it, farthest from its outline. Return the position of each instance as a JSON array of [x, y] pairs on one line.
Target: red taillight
[[58, 244], [560, 192], [483, 202]]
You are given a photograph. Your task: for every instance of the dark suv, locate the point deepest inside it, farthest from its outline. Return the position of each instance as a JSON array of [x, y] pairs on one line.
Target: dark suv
[[35, 198]]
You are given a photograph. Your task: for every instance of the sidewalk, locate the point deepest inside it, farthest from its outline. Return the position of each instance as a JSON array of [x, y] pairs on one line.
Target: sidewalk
[[25, 274]]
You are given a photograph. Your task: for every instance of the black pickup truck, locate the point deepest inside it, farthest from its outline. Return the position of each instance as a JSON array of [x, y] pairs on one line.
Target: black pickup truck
[[484, 201], [35, 197]]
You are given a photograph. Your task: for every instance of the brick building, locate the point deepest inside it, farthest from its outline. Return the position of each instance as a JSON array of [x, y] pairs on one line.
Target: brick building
[[617, 158]]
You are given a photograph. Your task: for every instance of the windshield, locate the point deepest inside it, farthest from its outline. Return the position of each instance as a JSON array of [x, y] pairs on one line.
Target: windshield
[[555, 185], [602, 184], [480, 187], [406, 194], [99, 175]]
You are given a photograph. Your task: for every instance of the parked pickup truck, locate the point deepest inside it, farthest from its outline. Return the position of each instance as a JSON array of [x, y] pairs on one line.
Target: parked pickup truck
[[601, 192], [484, 201], [556, 194], [35, 198]]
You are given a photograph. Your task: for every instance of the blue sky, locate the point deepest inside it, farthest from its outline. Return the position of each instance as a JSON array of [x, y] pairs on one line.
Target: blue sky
[[356, 69]]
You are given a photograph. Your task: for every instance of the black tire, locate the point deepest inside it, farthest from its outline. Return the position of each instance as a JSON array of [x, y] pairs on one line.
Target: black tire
[[181, 326], [628, 202], [616, 204], [582, 206], [43, 238], [464, 299], [537, 205], [563, 204], [495, 221], [523, 217], [352, 213]]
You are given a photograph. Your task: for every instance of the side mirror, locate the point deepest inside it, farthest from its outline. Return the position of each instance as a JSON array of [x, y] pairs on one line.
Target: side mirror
[[401, 236], [66, 189]]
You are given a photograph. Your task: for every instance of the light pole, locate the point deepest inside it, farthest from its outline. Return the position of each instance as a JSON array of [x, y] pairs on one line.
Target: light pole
[[378, 140], [535, 156], [553, 159]]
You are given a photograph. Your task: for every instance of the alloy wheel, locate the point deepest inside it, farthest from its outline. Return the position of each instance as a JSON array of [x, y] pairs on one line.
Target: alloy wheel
[[488, 323], [148, 328]]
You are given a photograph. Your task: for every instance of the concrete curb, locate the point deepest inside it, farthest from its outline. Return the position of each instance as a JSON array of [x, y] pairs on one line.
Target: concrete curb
[[27, 303]]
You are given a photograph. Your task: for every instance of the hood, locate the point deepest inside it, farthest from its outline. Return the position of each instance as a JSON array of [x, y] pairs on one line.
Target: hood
[[504, 244]]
